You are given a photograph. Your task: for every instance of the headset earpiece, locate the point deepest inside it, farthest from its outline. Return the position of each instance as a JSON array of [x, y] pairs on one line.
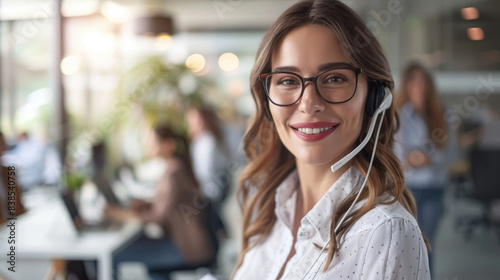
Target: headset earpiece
[[376, 93]]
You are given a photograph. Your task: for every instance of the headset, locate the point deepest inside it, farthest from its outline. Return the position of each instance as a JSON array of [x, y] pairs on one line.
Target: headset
[[375, 97], [379, 99], [377, 102]]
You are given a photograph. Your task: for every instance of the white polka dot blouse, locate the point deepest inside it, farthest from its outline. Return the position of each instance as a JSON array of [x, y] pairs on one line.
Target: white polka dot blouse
[[385, 243]]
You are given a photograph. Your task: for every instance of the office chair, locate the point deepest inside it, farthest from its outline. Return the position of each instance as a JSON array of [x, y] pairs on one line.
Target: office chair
[[212, 225], [485, 175]]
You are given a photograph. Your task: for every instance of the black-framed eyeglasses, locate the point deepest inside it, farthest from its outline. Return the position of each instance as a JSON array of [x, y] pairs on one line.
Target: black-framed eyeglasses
[[335, 85]]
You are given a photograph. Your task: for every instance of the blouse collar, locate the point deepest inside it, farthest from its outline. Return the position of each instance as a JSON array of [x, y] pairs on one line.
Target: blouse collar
[[319, 218]]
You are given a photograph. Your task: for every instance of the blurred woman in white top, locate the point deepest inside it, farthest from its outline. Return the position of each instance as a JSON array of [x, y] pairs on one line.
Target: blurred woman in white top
[[209, 154]]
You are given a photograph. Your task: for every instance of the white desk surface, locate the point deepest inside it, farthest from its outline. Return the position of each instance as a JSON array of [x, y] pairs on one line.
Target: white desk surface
[[46, 232]]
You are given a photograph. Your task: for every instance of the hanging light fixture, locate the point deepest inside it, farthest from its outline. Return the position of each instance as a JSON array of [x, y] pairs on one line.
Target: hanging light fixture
[[154, 25]]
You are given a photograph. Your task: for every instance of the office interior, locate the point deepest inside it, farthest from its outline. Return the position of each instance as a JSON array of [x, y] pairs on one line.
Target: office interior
[[84, 81]]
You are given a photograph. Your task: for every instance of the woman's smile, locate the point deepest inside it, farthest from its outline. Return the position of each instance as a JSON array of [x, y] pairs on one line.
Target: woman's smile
[[313, 131]]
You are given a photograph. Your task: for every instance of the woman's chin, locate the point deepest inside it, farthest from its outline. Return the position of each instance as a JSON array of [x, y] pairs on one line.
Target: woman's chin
[[319, 159]]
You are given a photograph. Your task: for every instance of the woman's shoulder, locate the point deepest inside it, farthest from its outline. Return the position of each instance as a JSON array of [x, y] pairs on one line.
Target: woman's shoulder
[[389, 238], [384, 215], [393, 211]]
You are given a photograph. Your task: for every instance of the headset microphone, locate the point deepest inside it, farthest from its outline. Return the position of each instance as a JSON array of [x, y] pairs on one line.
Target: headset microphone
[[384, 105]]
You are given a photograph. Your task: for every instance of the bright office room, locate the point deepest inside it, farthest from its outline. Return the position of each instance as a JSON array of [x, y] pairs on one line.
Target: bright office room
[[89, 88]]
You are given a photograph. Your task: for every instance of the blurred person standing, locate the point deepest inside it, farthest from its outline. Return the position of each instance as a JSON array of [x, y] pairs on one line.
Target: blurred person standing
[[178, 208], [424, 145], [210, 154]]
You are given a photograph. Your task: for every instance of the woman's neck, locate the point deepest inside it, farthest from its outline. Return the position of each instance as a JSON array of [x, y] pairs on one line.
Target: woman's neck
[[315, 180], [419, 107]]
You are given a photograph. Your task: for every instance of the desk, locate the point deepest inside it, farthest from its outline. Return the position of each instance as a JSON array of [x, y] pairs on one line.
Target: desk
[[46, 232]]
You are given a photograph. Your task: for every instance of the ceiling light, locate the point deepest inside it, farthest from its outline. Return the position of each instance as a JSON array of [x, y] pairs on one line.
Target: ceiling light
[[163, 42], [475, 33], [228, 62], [195, 62], [154, 25], [70, 65], [470, 13]]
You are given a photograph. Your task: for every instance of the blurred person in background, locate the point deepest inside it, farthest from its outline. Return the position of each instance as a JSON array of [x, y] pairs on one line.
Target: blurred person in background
[[425, 146], [38, 162], [177, 207], [209, 154]]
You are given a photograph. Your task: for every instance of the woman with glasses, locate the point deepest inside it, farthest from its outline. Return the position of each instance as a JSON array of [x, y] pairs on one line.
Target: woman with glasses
[[323, 194]]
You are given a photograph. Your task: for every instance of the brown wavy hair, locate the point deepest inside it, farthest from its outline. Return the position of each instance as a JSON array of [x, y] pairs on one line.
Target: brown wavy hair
[[269, 162], [433, 108]]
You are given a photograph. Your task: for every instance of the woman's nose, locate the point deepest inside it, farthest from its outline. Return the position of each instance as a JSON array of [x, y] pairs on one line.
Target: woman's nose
[[311, 102]]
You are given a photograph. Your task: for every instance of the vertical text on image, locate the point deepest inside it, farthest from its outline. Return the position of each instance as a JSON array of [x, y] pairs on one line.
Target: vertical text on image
[[11, 225]]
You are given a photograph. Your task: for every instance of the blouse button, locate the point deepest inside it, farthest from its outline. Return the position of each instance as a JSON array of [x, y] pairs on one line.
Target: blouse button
[[304, 233]]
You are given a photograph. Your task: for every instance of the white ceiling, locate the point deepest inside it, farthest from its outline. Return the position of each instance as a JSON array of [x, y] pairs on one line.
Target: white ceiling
[[442, 28], [189, 15]]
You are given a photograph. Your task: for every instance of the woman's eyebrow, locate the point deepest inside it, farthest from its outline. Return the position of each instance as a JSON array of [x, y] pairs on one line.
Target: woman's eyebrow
[[322, 67], [329, 65], [286, 69]]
